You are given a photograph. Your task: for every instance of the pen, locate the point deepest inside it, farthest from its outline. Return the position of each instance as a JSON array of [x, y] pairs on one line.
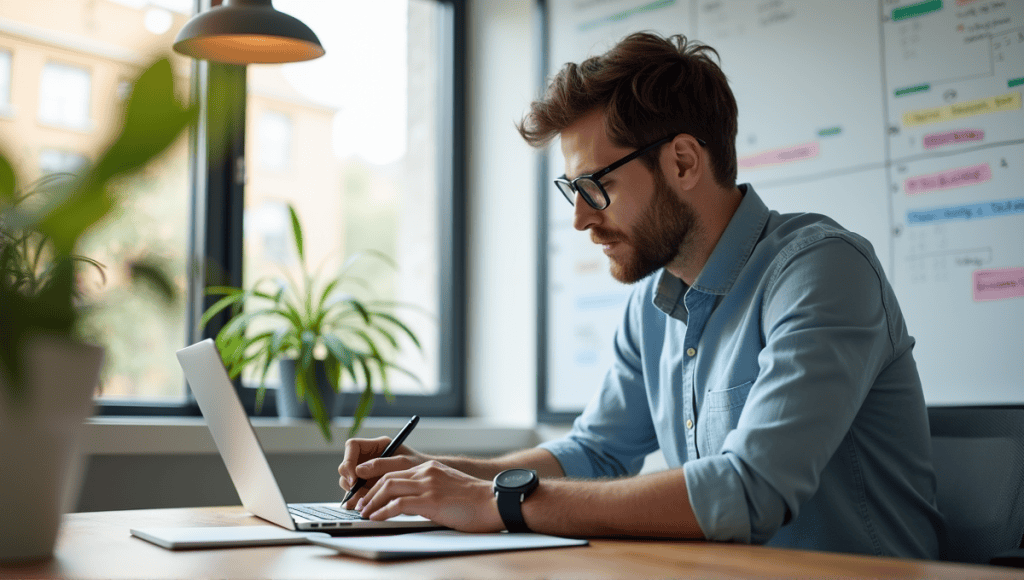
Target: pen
[[388, 452]]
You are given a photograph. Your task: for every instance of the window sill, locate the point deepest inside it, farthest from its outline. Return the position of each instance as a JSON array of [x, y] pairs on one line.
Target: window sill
[[184, 436]]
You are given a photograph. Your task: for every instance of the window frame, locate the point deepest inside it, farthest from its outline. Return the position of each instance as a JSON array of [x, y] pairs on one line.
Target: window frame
[[218, 190]]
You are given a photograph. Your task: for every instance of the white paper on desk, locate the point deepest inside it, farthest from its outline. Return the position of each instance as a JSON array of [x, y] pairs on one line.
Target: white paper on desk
[[439, 543], [218, 537]]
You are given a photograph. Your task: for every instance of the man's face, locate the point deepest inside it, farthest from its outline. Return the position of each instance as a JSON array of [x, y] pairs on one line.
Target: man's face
[[646, 224]]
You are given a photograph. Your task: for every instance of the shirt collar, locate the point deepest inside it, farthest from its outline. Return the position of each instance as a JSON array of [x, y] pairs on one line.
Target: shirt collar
[[727, 259]]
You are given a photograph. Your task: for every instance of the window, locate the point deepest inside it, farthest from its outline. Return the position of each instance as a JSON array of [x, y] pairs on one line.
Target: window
[[289, 141], [274, 140], [56, 161], [64, 95], [5, 82], [79, 63], [361, 137]]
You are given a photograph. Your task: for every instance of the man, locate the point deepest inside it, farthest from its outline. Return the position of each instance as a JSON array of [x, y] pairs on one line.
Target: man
[[764, 354]]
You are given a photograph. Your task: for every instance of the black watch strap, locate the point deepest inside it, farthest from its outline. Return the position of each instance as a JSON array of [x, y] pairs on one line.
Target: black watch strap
[[510, 507]]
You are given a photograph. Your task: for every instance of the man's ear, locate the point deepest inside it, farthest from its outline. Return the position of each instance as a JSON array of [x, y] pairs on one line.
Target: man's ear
[[688, 161]]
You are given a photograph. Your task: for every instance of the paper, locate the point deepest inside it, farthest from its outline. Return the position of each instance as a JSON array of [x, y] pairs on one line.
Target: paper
[[439, 543], [212, 537]]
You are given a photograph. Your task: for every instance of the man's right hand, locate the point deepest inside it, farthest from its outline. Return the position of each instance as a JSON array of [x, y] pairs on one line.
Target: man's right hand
[[363, 460]]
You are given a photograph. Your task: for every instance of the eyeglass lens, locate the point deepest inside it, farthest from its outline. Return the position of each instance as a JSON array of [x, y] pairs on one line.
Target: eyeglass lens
[[589, 189]]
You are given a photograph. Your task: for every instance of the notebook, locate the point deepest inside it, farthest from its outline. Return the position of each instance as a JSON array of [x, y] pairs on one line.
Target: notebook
[[394, 547], [439, 543], [247, 464]]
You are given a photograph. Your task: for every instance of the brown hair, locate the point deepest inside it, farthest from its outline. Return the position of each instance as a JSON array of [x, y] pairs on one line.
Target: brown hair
[[649, 87]]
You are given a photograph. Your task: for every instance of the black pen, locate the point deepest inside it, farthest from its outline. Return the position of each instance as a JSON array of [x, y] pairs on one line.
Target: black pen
[[388, 452]]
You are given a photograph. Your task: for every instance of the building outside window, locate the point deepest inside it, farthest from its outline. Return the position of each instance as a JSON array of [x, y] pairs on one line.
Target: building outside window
[[5, 82], [274, 142], [64, 95]]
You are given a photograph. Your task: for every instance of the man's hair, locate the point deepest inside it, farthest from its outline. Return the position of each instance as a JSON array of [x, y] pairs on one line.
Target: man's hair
[[649, 87]]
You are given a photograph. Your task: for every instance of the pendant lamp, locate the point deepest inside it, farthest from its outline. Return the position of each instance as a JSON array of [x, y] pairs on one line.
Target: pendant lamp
[[247, 32]]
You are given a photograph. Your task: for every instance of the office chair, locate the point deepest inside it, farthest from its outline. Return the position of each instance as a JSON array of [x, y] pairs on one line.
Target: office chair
[[979, 467]]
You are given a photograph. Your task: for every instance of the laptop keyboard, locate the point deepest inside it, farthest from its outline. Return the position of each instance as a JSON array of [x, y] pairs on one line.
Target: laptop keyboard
[[323, 513]]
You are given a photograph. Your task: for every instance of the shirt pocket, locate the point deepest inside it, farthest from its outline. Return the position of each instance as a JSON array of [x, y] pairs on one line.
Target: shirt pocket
[[721, 414]]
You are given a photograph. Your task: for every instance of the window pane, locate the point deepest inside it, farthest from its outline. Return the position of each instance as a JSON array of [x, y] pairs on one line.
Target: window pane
[[274, 140], [5, 81], [64, 95], [77, 53], [357, 133]]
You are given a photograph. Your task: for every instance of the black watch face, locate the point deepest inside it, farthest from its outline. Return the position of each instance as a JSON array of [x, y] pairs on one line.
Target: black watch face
[[515, 478]]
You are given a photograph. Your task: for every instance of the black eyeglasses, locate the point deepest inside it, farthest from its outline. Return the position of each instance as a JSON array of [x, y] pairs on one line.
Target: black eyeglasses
[[589, 186]]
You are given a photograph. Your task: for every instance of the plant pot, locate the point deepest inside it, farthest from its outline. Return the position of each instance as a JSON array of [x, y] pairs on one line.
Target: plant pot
[[41, 463], [288, 403]]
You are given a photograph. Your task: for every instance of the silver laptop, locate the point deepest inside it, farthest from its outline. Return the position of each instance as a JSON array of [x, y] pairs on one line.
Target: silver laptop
[[246, 463]]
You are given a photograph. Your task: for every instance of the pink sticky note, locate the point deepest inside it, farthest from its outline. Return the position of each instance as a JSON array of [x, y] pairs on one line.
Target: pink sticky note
[[952, 137], [782, 155], [950, 179], [998, 284]]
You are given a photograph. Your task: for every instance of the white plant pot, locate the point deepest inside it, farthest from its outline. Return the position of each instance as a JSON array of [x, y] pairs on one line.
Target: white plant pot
[[40, 463]]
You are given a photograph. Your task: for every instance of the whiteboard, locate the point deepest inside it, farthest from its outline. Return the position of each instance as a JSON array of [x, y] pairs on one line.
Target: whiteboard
[[900, 119]]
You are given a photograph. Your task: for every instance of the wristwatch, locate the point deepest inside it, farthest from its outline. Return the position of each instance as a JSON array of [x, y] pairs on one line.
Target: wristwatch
[[511, 487]]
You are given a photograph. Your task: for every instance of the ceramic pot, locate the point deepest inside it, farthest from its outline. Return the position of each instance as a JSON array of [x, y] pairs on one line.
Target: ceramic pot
[[40, 461], [289, 405]]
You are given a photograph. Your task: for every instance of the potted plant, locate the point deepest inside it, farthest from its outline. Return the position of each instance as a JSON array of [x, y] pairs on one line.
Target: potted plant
[[313, 328], [48, 370]]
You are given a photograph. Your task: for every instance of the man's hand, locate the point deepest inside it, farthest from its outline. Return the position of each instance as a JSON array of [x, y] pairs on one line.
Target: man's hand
[[363, 460], [437, 492]]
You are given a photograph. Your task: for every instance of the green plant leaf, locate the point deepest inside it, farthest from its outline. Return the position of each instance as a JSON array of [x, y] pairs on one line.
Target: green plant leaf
[[333, 369], [390, 318], [387, 335], [218, 306], [345, 356], [8, 181], [228, 290], [155, 275], [365, 403], [261, 392], [153, 119], [327, 292], [307, 379], [297, 232]]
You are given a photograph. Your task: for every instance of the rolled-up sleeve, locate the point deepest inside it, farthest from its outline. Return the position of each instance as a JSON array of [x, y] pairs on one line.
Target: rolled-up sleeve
[[826, 337], [615, 432]]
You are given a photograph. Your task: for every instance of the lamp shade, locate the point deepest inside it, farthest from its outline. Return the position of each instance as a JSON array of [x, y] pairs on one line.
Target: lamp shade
[[247, 32]]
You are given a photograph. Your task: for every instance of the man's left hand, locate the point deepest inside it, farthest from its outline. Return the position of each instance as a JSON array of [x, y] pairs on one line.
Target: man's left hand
[[437, 492]]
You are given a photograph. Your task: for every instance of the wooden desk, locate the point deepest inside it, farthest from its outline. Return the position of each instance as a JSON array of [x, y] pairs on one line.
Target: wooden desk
[[98, 545]]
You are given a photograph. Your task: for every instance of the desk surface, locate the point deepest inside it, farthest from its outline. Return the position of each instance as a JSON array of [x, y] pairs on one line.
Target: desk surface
[[98, 545]]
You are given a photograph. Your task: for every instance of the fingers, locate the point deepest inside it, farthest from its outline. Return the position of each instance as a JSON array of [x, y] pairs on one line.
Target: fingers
[[393, 493], [356, 452], [351, 503]]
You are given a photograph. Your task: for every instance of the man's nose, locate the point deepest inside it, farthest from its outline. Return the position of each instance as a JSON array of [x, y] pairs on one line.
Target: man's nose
[[584, 216]]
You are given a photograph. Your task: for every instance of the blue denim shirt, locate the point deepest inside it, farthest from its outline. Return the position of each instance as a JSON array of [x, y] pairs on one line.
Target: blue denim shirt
[[783, 383]]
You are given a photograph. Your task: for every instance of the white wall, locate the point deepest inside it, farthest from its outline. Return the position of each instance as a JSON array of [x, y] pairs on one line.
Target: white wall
[[502, 214]]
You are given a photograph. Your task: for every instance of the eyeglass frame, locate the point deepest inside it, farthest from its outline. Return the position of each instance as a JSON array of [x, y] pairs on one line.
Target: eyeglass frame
[[597, 175]]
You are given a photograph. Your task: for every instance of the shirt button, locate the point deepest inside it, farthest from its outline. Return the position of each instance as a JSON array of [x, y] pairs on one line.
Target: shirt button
[[689, 424], [691, 351]]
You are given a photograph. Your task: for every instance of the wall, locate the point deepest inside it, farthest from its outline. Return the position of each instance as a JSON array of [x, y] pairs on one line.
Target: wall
[[502, 230]]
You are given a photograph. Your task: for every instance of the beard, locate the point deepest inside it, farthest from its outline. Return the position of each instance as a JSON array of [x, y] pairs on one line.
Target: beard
[[661, 233]]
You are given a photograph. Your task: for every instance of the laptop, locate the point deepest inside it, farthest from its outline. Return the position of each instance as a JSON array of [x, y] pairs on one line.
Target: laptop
[[247, 464]]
